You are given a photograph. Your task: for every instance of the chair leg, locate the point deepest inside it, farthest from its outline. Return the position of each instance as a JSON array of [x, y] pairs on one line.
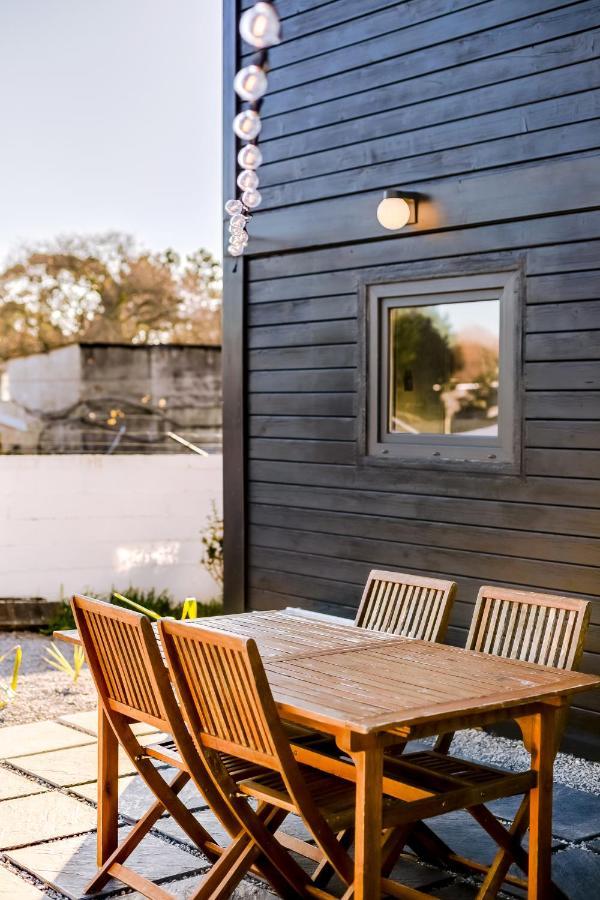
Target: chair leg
[[134, 838], [325, 871], [222, 879], [498, 870]]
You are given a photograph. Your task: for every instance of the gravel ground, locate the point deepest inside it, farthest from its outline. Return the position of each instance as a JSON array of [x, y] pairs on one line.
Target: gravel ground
[[42, 692]]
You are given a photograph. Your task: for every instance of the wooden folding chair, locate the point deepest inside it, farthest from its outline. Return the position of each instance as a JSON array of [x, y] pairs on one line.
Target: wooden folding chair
[[538, 628], [133, 686], [229, 709], [410, 605]]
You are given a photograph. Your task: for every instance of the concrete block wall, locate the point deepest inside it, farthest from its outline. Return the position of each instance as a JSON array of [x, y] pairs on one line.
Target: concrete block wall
[[77, 523]]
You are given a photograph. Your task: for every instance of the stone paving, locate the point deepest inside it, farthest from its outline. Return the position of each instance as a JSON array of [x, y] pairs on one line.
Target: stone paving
[[48, 841]]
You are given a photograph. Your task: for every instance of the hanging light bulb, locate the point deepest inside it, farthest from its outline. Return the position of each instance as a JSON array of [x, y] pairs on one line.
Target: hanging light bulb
[[239, 240], [260, 26], [233, 206], [250, 83], [238, 221], [250, 157], [247, 180], [251, 199], [234, 250], [247, 125]]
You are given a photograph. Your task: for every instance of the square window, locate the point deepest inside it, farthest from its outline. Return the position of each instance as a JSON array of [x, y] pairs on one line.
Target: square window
[[442, 363]]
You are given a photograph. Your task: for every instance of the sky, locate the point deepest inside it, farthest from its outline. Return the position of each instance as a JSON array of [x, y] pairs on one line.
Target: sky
[[111, 120]]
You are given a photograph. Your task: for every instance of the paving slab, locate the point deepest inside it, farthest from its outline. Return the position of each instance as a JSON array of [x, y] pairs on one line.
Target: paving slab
[[42, 817], [13, 887], [38, 737], [88, 721], [576, 814], [135, 797], [206, 818], [14, 785], [68, 865], [577, 873], [75, 765]]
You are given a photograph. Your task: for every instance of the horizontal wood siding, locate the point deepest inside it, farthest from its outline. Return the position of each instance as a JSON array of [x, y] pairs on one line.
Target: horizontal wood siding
[[492, 110]]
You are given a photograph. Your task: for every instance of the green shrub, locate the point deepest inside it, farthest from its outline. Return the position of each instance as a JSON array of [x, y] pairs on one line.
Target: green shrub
[[161, 603]]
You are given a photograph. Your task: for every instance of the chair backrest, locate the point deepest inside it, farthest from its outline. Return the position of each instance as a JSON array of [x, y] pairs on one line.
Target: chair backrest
[[224, 693], [124, 658], [538, 628], [409, 605]]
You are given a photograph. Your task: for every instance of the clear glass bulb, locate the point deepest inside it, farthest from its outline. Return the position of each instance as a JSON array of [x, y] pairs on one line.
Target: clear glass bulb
[[238, 221], [260, 26], [236, 229], [251, 199], [250, 83], [234, 250], [247, 180], [233, 206], [250, 157], [247, 125], [240, 237]]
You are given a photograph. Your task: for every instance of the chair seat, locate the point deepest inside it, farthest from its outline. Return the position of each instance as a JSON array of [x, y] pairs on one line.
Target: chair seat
[[442, 771], [239, 769], [335, 797]]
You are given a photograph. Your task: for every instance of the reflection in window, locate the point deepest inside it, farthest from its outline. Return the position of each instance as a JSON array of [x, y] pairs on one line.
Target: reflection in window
[[443, 371]]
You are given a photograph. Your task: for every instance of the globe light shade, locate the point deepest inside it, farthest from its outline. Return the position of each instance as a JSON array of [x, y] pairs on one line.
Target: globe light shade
[[247, 125], [233, 207], [251, 199], [238, 221], [250, 157], [260, 26], [235, 250], [247, 180], [393, 212], [250, 83]]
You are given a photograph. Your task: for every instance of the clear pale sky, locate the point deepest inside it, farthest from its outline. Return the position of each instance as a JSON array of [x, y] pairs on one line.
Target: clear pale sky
[[111, 119]]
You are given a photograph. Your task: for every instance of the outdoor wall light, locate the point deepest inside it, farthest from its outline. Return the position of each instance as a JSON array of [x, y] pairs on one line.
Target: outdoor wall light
[[396, 210]]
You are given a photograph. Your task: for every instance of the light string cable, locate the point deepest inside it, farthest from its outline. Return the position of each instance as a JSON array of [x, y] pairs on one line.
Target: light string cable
[[260, 27]]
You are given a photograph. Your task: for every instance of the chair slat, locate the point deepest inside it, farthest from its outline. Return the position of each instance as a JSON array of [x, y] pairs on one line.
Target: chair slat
[[538, 628], [409, 605]]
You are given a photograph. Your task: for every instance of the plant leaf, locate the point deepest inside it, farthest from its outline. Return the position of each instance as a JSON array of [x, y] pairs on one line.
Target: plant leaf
[[137, 606]]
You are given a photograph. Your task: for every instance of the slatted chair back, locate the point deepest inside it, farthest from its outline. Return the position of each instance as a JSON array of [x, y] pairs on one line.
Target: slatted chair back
[[410, 605], [125, 661], [224, 691], [537, 628]]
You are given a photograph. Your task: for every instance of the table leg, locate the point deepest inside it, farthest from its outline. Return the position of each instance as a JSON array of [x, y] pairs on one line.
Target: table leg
[[108, 790], [367, 840], [543, 740]]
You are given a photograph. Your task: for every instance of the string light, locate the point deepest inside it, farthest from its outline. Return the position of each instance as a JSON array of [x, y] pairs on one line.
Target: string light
[[260, 27]]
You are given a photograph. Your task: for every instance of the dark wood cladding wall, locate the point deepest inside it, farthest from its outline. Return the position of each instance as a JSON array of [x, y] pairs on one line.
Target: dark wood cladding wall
[[490, 109]]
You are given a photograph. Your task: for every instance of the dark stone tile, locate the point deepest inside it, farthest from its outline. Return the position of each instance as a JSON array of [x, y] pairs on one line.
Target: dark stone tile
[[576, 813], [465, 836], [577, 873]]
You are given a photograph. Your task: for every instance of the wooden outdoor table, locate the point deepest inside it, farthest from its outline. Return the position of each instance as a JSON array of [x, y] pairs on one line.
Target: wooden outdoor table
[[369, 690]]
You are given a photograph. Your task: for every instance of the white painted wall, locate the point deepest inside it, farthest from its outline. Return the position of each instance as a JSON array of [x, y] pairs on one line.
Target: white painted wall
[[77, 523]]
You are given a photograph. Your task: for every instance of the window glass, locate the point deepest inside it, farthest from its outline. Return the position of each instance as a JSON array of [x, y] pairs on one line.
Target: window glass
[[443, 370]]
